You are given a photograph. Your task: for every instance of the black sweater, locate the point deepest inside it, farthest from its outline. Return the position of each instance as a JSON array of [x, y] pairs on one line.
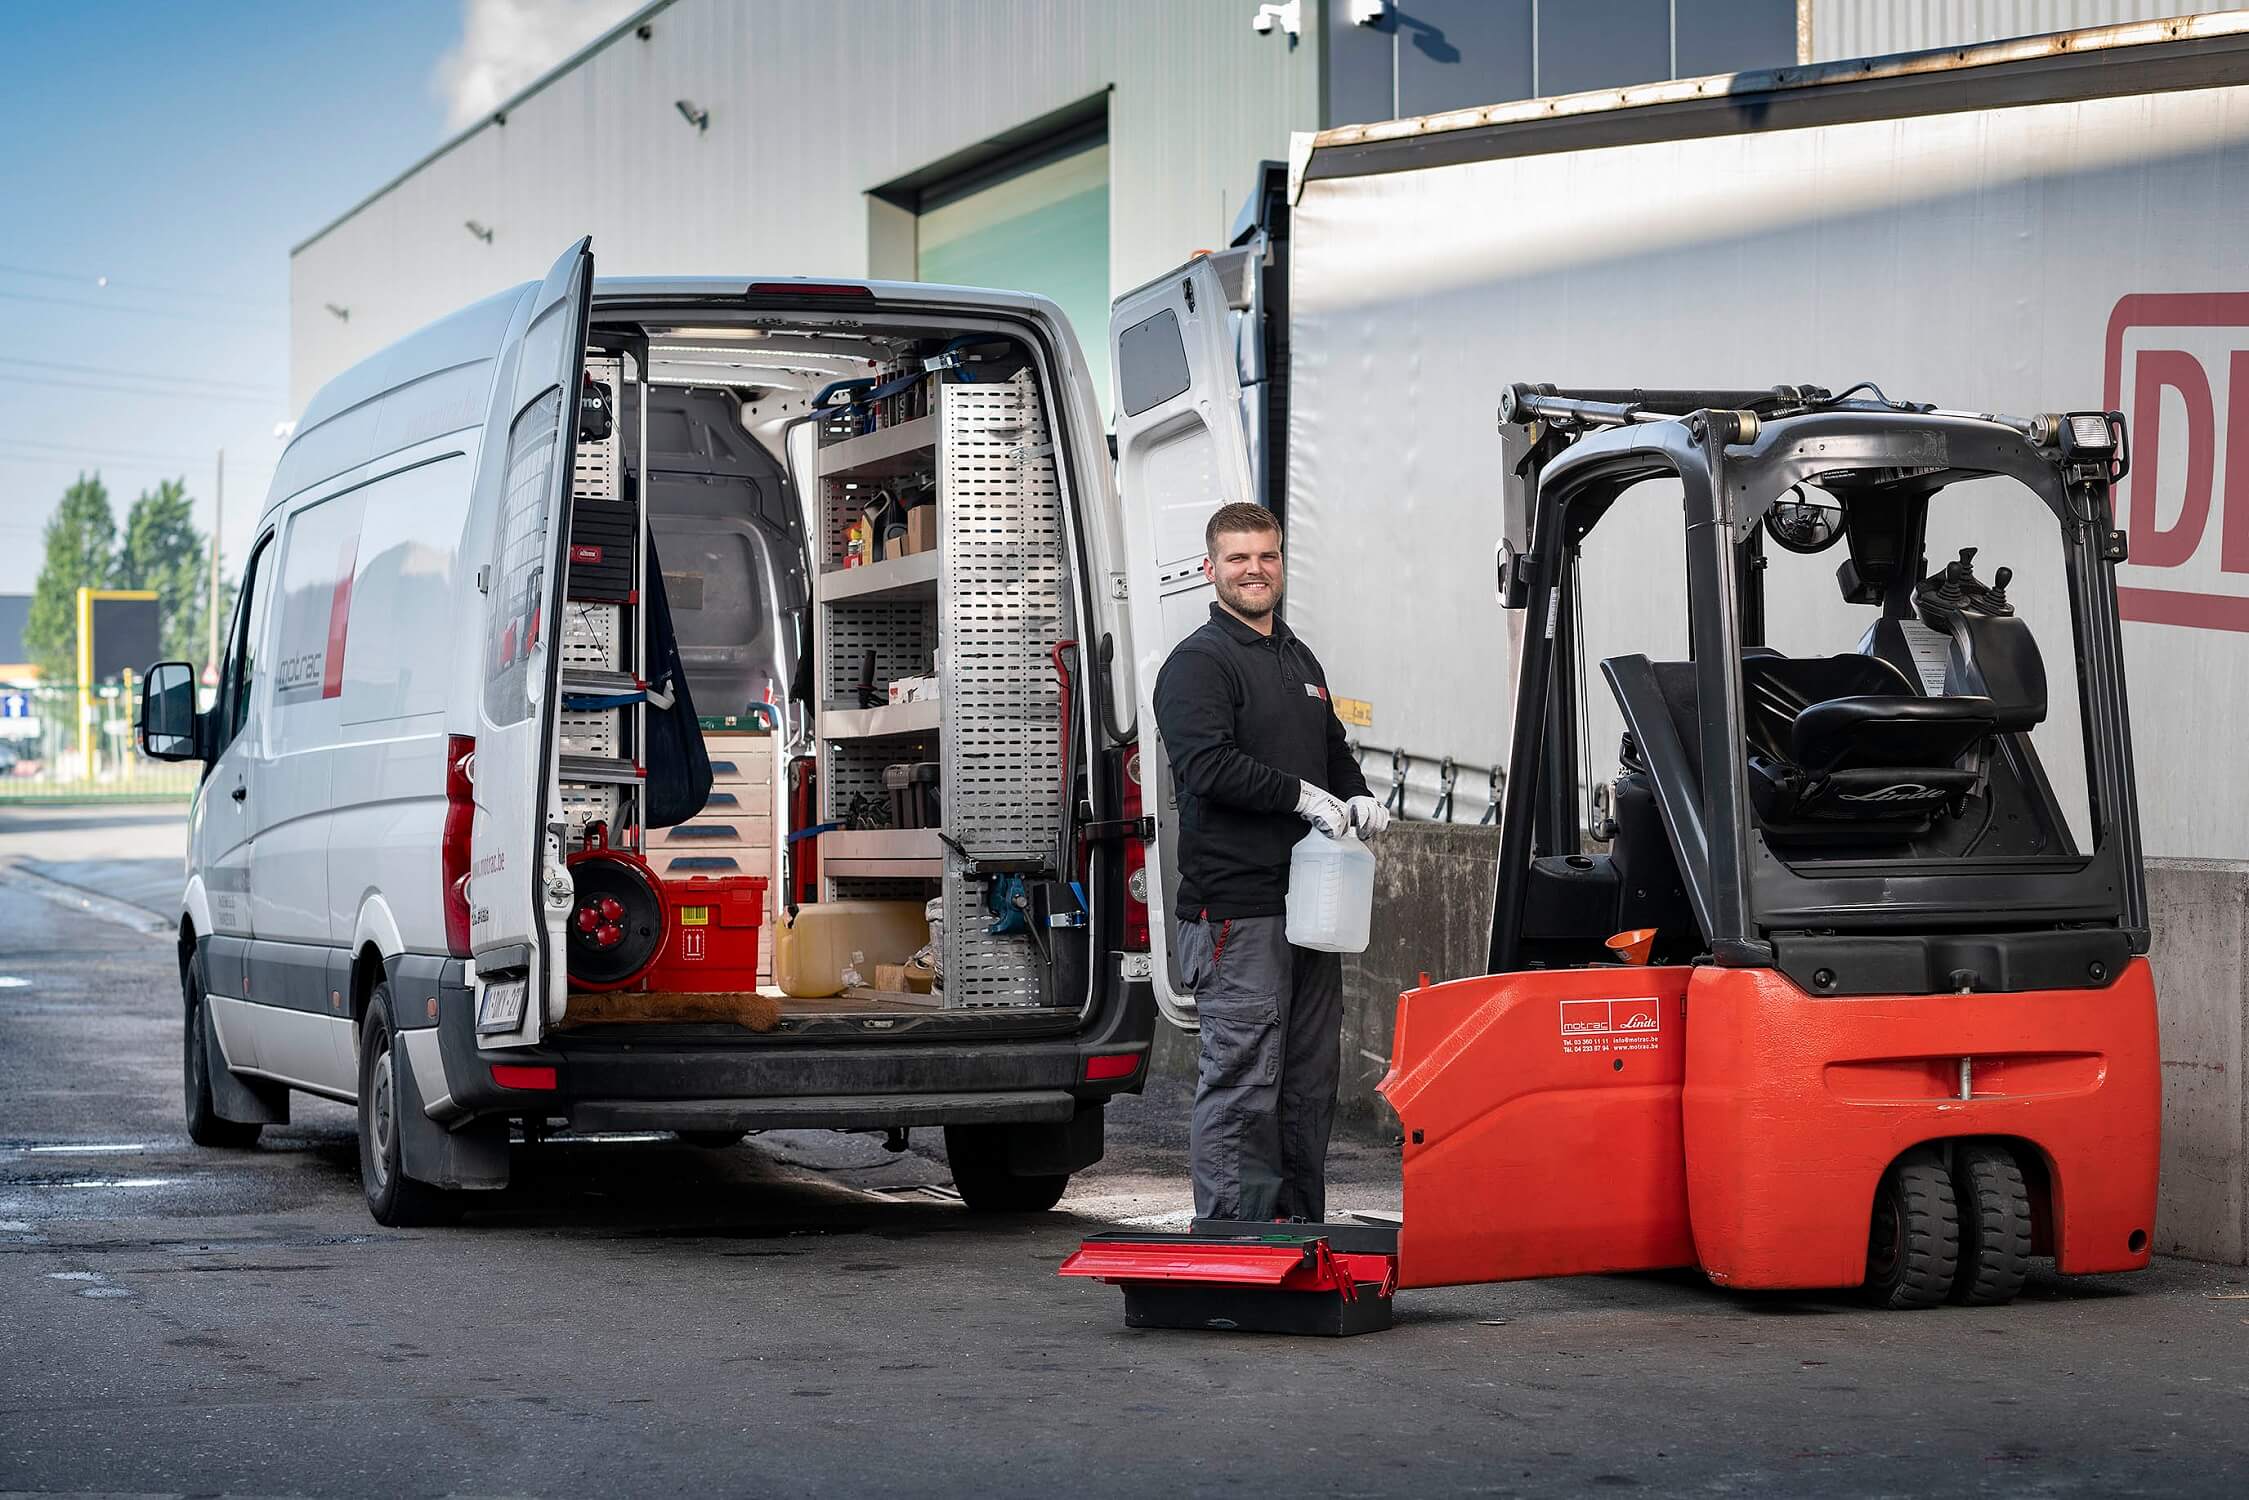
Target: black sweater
[[1244, 718]]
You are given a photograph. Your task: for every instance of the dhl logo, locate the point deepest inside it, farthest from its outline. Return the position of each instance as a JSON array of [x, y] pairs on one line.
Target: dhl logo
[[2177, 366]]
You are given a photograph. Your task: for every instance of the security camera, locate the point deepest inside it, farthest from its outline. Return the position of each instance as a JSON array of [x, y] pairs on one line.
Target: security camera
[[1289, 13], [1369, 12]]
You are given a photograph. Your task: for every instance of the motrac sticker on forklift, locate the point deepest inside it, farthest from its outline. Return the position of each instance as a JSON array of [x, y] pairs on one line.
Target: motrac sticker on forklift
[[1631, 1025]]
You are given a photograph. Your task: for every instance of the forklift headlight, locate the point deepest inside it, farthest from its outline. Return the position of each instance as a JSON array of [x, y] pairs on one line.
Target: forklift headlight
[[2089, 432]]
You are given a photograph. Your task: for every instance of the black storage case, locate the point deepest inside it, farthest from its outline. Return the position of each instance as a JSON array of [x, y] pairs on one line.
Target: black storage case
[[913, 794]]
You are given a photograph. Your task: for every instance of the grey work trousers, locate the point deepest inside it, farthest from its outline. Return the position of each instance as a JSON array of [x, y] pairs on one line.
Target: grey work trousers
[[1272, 1056]]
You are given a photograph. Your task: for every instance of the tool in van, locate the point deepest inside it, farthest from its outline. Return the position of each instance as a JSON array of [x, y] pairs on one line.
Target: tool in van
[[1849, 999]]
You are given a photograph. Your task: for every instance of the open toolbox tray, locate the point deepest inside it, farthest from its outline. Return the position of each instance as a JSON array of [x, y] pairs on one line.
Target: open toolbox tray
[[1331, 1279]]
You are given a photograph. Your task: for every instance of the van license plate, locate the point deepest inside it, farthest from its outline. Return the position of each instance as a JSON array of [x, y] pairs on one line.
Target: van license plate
[[500, 1007]]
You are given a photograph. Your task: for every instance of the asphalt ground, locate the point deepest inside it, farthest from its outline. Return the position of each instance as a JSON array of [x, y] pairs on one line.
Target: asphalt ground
[[807, 1313]]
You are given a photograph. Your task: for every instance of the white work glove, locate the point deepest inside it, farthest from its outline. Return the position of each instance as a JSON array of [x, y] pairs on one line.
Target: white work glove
[[1368, 817], [1321, 810]]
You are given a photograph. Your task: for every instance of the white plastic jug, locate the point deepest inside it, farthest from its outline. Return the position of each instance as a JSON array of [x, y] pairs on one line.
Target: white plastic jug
[[1330, 893]]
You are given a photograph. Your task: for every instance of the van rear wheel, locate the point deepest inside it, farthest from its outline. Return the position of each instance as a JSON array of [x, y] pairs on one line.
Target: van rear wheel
[[711, 1140], [1913, 1245], [979, 1158], [199, 1054], [395, 1199]]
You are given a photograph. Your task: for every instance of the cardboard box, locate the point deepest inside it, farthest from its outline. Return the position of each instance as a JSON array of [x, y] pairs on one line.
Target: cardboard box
[[921, 530], [903, 979]]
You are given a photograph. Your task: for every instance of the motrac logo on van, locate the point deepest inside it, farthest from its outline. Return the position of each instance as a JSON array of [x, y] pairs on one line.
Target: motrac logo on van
[[2178, 368]]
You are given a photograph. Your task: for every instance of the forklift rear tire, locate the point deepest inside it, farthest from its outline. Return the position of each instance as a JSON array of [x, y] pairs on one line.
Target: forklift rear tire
[[986, 1185], [1913, 1247], [1994, 1224]]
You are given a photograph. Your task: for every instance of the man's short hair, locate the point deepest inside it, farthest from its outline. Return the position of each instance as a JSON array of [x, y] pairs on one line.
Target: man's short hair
[[1235, 519]]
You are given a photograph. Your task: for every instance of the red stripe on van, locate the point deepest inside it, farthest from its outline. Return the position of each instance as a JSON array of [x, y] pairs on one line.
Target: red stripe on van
[[339, 620]]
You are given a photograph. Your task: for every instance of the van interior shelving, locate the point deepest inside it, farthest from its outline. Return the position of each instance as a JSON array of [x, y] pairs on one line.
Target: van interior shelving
[[815, 558]]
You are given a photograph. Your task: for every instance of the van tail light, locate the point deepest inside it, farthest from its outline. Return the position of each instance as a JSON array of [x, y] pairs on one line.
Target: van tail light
[[521, 1076], [453, 849], [1136, 871], [806, 289], [1107, 1067]]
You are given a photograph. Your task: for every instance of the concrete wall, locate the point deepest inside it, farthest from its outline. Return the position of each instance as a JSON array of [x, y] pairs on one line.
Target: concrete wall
[[1433, 912]]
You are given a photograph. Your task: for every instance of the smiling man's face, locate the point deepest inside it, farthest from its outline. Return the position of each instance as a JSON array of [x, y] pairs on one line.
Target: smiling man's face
[[1246, 567]]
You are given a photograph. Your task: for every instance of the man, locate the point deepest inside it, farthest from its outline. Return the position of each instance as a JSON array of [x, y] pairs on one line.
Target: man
[[1256, 753]]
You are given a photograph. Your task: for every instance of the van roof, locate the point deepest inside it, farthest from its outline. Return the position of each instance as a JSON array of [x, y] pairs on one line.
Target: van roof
[[334, 434]]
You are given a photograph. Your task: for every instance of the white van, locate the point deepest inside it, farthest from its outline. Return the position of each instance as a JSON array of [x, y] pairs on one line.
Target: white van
[[446, 691]]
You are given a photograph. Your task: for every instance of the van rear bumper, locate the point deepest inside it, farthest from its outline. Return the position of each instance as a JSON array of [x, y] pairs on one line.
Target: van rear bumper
[[754, 1084], [830, 1112]]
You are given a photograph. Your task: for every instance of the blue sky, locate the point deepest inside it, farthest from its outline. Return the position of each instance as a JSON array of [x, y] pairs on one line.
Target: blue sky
[[180, 150]]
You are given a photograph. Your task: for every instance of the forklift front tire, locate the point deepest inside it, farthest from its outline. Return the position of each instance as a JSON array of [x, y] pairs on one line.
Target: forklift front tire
[[1913, 1247], [1994, 1224]]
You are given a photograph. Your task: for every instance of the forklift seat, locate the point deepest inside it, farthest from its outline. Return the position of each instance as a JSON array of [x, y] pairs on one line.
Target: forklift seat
[[1846, 739]]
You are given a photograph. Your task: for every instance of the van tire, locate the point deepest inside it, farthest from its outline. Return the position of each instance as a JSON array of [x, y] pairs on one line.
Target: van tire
[[198, 1055], [396, 1200], [711, 1140], [1913, 1243], [1994, 1224], [985, 1184]]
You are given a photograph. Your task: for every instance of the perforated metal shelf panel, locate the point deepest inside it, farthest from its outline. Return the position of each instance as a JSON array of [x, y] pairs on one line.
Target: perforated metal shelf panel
[[1006, 606]]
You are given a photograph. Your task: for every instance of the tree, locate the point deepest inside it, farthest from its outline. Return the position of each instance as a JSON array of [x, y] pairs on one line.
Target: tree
[[162, 550], [81, 536]]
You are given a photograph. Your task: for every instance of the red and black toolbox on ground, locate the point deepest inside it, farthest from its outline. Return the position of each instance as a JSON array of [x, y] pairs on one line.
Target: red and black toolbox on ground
[[1332, 1279]]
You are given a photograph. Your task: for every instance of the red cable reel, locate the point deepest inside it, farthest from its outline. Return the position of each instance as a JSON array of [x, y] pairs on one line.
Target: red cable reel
[[618, 916]]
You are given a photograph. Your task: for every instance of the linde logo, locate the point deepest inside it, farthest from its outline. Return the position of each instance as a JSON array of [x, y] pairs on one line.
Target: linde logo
[[1904, 791], [2177, 366]]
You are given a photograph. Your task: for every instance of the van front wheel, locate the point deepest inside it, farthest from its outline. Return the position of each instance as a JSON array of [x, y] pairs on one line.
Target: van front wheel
[[199, 1054], [979, 1158], [395, 1199]]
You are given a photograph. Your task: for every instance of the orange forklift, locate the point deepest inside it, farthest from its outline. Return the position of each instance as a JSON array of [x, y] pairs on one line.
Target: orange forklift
[[1836, 991]]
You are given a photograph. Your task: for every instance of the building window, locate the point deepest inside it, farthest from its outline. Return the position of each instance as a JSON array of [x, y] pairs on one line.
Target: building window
[[1028, 214]]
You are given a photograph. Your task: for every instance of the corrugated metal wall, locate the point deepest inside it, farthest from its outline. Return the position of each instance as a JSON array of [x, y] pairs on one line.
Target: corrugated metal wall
[[810, 107], [1871, 28]]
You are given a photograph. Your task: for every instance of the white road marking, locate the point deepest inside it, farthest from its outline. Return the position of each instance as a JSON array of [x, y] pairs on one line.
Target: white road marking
[[13, 982], [110, 1182], [76, 1276], [114, 1148]]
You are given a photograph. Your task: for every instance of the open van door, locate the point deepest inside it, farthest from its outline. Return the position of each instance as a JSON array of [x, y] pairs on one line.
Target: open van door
[[1181, 454], [518, 887]]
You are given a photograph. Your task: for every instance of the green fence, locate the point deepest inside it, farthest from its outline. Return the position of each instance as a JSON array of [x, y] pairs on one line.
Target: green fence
[[41, 759]]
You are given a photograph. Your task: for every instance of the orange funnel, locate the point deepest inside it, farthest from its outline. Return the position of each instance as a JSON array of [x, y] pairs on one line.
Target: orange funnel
[[1632, 947]]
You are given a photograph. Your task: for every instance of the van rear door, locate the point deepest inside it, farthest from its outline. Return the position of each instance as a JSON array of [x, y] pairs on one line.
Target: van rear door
[[1181, 454], [515, 860]]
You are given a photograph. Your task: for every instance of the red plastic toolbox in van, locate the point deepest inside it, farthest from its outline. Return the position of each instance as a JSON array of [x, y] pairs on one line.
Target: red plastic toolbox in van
[[712, 944]]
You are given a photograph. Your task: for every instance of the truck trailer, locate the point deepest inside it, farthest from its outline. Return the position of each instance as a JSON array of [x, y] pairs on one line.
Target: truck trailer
[[2032, 224]]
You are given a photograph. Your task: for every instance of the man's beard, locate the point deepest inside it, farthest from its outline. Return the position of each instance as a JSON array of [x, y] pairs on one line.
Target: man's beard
[[1249, 606]]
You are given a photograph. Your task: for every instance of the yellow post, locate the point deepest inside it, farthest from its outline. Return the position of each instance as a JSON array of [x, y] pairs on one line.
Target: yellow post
[[129, 751], [86, 682]]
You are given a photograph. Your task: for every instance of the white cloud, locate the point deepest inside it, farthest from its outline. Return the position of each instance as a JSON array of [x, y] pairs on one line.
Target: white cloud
[[507, 44]]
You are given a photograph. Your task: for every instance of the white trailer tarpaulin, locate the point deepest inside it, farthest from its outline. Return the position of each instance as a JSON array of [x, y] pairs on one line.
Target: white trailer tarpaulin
[[2042, 257]]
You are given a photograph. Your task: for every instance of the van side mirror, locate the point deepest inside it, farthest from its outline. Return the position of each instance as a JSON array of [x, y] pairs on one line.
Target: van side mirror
[[168, 713]]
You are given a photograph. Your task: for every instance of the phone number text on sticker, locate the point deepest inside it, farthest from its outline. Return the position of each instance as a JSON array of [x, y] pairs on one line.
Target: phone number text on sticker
[[1629, 1025]]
